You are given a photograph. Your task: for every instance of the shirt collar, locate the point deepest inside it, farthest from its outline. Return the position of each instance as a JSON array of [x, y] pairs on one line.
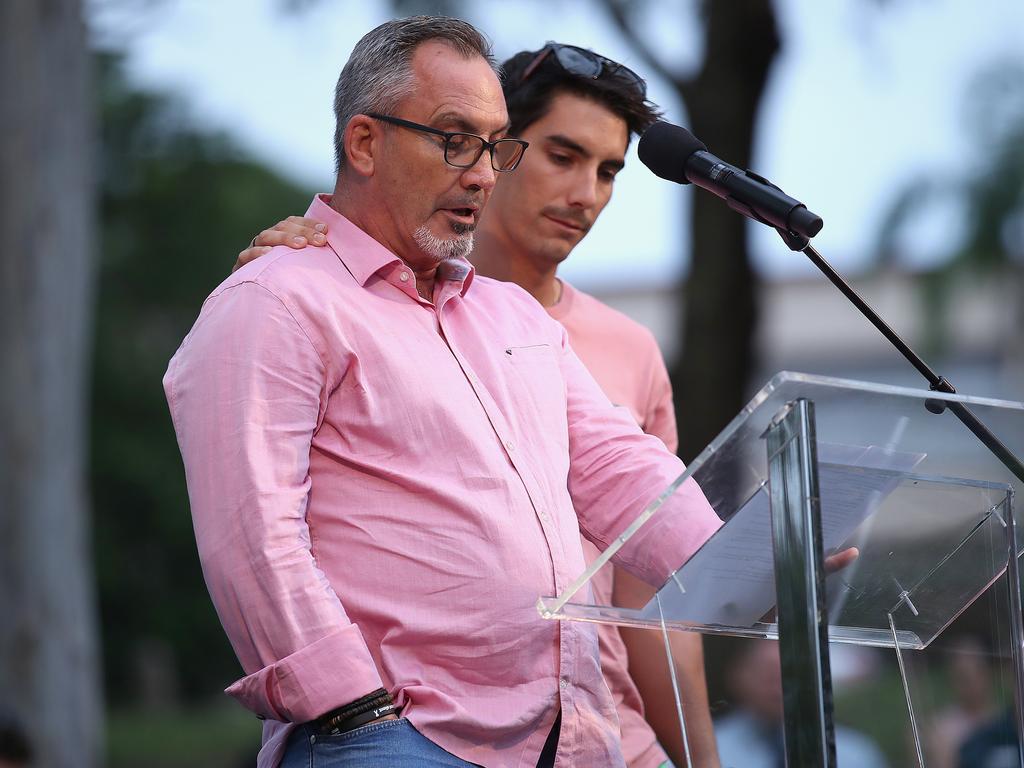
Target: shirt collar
[[364, 257]]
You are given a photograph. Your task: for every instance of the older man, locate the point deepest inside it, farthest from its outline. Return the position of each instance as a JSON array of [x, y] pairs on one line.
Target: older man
[[389, 458], [579, 110]]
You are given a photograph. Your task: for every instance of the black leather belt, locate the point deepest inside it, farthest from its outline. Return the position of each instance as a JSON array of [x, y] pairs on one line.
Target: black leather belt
[[333, 726], [359, 712]]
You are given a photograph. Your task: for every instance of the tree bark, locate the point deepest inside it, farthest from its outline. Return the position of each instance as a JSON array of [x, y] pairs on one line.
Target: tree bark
[[48, 640], [720, 296]]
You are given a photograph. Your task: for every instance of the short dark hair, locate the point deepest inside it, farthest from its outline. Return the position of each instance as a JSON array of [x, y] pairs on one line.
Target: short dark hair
[[378, 74], [529, 101]]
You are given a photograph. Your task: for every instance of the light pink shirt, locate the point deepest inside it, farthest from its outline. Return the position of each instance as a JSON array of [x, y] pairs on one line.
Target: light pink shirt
[[382, 486], [624, 359]]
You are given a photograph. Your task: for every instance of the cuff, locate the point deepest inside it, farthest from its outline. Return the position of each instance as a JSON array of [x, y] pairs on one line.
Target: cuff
[[672, 536], [329, 673]]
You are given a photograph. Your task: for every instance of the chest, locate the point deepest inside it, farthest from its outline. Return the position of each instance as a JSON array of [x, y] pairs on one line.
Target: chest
[[430, 381]]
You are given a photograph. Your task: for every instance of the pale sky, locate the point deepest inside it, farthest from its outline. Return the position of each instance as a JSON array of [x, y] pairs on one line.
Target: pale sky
[[865, 95]]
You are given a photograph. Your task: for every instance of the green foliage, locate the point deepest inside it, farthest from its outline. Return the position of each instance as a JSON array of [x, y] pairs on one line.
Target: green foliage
[[177, 205], [878, 709], [995, 192], [206, 737]]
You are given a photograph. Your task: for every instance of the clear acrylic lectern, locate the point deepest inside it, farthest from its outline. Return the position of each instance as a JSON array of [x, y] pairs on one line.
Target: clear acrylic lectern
[[814, 466]]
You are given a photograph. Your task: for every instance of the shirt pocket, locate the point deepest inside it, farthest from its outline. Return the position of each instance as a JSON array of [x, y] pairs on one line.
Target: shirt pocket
[[540, 388]]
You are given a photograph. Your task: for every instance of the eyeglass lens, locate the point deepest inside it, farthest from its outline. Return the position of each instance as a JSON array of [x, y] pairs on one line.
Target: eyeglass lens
[[463, 150]]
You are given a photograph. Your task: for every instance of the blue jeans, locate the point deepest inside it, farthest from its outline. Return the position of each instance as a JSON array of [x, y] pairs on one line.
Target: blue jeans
[[391, 743]]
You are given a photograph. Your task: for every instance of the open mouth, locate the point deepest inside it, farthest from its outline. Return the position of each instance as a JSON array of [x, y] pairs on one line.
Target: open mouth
[[463, 215]]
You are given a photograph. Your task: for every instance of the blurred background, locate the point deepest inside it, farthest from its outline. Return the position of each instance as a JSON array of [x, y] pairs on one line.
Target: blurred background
[[146, 141]]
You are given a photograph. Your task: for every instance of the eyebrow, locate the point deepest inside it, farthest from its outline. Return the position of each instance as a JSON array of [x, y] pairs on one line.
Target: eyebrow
[[573, 146], [463, 125]]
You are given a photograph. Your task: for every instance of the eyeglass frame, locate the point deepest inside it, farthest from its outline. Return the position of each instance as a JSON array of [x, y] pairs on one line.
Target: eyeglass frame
[[604, 65], [485, 145]]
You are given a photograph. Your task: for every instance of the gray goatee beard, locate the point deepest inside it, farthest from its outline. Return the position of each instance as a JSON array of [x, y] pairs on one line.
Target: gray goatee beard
[[457, 247]]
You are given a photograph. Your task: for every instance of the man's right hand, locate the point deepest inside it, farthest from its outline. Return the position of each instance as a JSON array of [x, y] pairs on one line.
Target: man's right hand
[[295, 232]]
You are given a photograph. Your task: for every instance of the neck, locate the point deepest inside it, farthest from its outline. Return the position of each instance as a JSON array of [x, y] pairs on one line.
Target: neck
[[497, 260], [354, 208]]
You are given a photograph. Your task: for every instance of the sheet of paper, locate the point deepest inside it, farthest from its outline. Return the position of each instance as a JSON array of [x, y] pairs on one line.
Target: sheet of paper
[[730, 581]]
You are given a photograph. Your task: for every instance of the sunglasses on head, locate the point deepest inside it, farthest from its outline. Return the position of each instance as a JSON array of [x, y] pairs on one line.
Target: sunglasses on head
[[584, 63]]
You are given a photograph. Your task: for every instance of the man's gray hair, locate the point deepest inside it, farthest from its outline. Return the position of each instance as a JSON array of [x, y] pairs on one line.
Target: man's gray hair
[[378, 74]]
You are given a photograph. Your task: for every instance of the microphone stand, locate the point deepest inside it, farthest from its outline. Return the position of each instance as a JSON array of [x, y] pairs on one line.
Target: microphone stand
[[937, 406], [936, 383]]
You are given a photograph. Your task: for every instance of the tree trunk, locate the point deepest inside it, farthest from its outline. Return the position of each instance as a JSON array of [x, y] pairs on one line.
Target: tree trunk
[[712, 375], [48, 645]]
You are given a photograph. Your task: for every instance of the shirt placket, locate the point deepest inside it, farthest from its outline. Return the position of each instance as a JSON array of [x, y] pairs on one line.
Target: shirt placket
[[519, 460], [567, 640]]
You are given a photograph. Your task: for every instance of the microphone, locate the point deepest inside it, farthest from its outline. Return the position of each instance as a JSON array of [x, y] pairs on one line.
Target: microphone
[[675, 154]]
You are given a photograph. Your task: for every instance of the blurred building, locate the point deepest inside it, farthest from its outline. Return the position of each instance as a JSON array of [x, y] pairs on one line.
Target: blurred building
[[808, 326]]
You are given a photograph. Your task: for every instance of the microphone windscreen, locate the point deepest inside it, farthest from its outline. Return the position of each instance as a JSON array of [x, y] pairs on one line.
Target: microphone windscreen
[[664, 148]]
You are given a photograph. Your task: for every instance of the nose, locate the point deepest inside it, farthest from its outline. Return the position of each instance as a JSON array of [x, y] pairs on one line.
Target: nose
[[480, 175], [583, 192]]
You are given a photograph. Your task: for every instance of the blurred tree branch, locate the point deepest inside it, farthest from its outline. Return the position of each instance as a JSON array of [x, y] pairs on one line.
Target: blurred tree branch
[[618, 10]]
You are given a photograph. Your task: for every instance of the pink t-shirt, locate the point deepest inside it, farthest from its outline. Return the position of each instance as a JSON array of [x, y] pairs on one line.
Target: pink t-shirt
[[624, 359]]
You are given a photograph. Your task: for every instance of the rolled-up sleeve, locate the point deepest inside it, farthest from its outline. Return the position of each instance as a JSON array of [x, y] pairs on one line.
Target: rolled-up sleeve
[[616, 470], [246, 392]]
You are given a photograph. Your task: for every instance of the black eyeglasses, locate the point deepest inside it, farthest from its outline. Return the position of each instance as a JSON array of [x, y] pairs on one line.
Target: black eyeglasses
[[584, 63], [463, 150]]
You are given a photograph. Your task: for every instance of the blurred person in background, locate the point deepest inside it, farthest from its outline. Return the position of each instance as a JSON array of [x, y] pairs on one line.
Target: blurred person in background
[[579, 110], [973, 705], [389, 458], [15, 751], [994, 744], [991, 741], [751, 735]]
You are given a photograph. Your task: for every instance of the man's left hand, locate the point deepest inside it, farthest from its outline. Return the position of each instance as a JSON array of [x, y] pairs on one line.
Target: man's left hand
[[840, 560]]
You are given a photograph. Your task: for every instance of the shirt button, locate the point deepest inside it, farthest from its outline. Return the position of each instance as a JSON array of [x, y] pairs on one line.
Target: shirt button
[[563, 683], [543, 515], [404, 276], [510, 445]]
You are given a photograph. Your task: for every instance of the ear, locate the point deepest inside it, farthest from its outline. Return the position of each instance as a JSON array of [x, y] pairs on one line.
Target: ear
[[362, 141]]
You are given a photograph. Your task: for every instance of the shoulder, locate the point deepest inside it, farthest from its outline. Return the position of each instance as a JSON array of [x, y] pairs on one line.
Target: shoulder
[[611, 322], [281, 294], [304, 282], [597, 331], [489, 289], [287, 272]]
